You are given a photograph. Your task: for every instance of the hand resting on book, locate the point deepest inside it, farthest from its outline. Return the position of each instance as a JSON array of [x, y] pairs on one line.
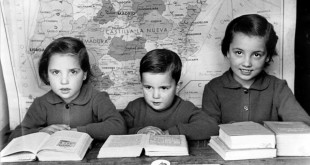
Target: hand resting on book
[[54, 128], [152, 130]]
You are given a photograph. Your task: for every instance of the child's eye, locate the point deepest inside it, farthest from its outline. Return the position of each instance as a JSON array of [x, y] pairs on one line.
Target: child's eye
[[165, 88], [74, 71], [55, 72], [147, 87], [257, 55], [238, 53]]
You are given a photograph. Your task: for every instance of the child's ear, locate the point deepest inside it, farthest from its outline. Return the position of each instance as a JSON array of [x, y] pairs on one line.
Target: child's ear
[[179, 85], [267, 59], [227, 56], [84, 75]]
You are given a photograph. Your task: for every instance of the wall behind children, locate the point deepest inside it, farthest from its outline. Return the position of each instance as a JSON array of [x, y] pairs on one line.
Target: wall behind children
[[118, 33]]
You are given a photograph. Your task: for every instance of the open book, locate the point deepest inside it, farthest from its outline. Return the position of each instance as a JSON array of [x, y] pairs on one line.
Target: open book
[[293, 138], [154, 145], [60, 146], [240, 154], [241, 135]]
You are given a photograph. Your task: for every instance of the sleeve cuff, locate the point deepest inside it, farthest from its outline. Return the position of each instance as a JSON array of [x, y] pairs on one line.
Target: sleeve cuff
[[173, 131], [81, 129]]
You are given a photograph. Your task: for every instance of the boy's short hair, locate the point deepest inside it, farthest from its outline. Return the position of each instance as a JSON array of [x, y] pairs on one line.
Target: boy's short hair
[[252, 25], [161, 61], [64, 45]]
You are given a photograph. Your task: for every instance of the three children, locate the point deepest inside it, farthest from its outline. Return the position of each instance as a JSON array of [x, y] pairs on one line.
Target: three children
[[243, 93]]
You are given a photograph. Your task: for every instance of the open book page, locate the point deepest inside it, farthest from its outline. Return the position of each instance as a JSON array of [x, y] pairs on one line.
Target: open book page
[[122, 146], [19, 157], [65, 141], [30, 143], [65, 145], [127, 140], [166, 145], [154, 145]]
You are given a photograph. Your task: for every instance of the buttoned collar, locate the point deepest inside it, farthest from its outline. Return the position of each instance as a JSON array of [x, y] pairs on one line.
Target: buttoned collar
[[261, 82], [83, 97]]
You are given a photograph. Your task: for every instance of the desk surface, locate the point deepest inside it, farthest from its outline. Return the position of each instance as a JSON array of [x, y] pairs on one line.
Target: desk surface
[[200, 153]]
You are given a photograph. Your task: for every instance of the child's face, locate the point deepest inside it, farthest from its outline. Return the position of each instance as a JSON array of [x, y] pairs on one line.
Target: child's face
[[247, 56], [65, 76], [159, 89]]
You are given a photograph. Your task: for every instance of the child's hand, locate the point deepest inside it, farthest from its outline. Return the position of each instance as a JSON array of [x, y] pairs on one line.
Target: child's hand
[[166, 132], [151, 130], [54, 128], [73, 129]]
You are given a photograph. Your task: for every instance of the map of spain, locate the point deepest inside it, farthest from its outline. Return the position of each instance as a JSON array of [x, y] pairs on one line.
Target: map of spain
[[118, 33]]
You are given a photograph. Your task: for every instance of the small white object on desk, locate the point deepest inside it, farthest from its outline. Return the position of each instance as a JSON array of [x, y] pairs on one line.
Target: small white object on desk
[[160, 162]]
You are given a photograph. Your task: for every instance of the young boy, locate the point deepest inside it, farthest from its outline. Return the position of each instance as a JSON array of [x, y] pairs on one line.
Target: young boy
[[161, 111]]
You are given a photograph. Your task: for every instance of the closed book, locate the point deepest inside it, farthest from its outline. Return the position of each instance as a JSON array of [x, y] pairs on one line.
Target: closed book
[[293, 138], [240, 154], [241, 135]]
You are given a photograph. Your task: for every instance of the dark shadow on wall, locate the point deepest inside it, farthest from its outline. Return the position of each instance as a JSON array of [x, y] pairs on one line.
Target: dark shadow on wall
[[302, 54], [4, 129]]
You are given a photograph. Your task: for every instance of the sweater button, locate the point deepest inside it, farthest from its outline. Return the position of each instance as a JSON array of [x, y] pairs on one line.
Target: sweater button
[[245, 108]]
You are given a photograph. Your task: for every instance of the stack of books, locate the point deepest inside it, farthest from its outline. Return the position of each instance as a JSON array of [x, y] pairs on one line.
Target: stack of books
[[293, 138], [244, 140]]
